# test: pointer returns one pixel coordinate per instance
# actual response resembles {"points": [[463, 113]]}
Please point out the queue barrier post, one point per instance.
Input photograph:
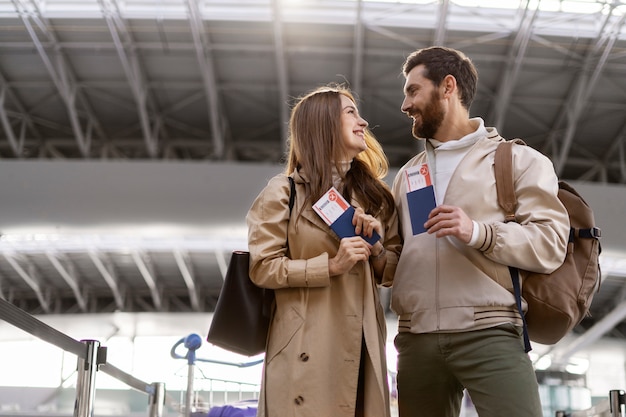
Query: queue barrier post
{"points": [[157, 399], [617, 399], [86, 382]]}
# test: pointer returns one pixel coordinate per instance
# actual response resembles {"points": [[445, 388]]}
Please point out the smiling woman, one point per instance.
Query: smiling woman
{"points": [[325, 337]]}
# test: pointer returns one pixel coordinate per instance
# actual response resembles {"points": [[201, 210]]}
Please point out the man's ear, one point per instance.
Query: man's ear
{"points": [[449, 86]]}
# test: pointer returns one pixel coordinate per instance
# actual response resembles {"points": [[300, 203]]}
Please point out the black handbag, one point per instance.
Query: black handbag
{"points": [[243, 311], [242, 314]]}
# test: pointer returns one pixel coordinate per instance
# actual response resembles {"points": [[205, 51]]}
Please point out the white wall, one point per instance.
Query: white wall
{"points": [[69, 196]]}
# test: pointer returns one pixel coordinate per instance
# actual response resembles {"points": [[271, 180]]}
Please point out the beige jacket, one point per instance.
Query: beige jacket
{"points": [[314, 344], [443, 285]]}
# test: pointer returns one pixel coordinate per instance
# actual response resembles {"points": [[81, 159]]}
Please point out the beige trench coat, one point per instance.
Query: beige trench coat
{"points": [[319, 324]]}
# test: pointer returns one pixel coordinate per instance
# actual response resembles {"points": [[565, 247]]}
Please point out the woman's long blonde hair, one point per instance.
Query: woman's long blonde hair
{"points": [[316, 146]]}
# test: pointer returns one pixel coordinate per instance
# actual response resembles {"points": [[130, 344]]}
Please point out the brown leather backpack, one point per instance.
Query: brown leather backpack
{"points": [[558, 301]]}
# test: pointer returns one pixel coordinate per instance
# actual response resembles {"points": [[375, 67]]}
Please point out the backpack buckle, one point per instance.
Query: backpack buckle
{"points": [[591, 233]]}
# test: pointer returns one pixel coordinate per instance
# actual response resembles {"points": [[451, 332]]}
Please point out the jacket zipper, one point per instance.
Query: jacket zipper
{"points": [[437, 282]]}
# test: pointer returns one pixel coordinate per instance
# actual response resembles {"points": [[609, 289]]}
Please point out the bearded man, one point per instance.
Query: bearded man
{"points": [[458, 324]]}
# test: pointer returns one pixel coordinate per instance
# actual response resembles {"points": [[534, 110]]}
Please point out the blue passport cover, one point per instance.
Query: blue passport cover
{"points": [[421, 202], [344, 228]]}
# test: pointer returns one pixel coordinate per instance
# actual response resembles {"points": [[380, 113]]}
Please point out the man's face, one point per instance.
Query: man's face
{"points": [[422, 102]]}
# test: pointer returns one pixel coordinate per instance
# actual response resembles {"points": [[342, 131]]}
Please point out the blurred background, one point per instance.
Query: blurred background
{"points": [[134, 135]]}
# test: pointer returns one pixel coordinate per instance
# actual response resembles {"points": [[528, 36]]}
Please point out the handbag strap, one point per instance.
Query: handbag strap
{"points": [[268, 298], [292, 194], [292, 200]]}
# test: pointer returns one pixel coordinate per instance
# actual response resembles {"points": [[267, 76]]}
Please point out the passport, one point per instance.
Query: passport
{"points": [[420, 196], [421, 202], [337, 213]]}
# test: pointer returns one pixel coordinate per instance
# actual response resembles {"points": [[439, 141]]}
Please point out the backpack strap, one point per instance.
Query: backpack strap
{"points": [[515, 278], [505, 181], [505, 188]]}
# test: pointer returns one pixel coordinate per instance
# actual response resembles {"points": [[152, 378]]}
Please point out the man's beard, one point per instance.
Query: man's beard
{"points": [[430, 119]]}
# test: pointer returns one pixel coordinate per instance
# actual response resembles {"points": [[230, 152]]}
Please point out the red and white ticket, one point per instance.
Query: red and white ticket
{"points": [[331, 206], [417, 177]]}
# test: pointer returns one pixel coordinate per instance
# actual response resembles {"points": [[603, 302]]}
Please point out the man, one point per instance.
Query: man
{"points": [[458, 323]]}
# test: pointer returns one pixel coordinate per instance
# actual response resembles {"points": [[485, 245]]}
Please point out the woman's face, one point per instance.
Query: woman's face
{"points": [[353, 128]]}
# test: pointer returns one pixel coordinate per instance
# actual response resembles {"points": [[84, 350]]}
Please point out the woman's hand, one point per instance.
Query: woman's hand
{"points": [[351, 250], [366, 223]]}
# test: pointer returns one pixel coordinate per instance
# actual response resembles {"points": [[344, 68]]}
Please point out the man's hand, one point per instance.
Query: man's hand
{"points": [[450, 221]]}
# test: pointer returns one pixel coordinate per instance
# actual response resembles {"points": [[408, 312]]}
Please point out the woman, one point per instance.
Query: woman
{"points": [[325, 354]]}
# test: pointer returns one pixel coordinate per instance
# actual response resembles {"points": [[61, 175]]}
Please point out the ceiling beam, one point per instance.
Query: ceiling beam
{"points": [[68, 272], [440, 28], [30, 278], [617, 153], [202, 46], [17, 145], [150, 122], [221, 263], [561, 354], [622, 160], [512, 68], [16, 140], [108, 273], [61, 75], [357, 56], [182, 261], [281, 73], [147, 272], [582, 89]]}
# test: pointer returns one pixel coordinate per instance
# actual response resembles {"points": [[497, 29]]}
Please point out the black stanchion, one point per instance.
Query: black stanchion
{"points": [[617, 399]]}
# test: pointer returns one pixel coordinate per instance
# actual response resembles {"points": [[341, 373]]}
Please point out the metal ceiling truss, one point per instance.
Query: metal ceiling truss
{"points": [[16, 138], [105, 284], [515, 60], [281, 73], [61, 74], [186, 270], [158, 125], [104, 266], [440, 28], [202, 46], [147, 272], [572, 111], [31, 277], [66, 269], [151, 122]]}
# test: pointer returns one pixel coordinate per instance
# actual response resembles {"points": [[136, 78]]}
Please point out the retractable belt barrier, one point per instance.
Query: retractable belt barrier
{"points": [[611, 407], [91, 358]]}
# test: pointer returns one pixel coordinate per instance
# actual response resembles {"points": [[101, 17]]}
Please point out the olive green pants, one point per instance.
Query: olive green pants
{"points": [[434, 368]]}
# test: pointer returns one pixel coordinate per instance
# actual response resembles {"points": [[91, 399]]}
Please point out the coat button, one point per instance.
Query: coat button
{"points": [[304, 356], [299, 400]]}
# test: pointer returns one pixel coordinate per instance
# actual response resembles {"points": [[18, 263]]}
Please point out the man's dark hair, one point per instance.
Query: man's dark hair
{"points": [[439, 62]]}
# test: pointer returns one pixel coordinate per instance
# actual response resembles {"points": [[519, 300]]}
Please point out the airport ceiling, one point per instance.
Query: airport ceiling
{"points": [[211, 80]]}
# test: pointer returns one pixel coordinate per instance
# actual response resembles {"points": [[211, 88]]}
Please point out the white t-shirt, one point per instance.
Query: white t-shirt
{"points": [[448, 155]]}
